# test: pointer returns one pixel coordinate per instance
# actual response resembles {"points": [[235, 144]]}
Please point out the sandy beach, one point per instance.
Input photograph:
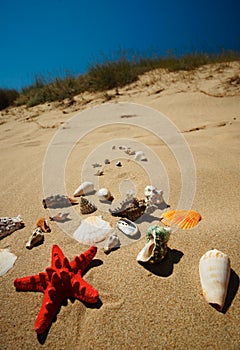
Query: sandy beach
{"points": [[141, 308]]}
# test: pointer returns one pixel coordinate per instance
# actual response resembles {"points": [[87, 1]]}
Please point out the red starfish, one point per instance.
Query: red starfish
{"points": [[62, 280]]}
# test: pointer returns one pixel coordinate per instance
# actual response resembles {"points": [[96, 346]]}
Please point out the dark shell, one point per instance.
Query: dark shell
{"points": [[87, 207], [131, 209], [58, 201]]}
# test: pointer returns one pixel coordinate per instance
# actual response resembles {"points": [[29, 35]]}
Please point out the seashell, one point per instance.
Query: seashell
{"points": [[214, 270], [92, 230], [86, 187], [130, 152], [7, 260], [36, 238], [139, 155], [131, 209], [99, 173], [184, 219], [127, 227], [105, 195], [60, 217], [58, 201], [113, 242], [10, 224], [156, 248], [97, 165], [87, 207], [43, 224], [153, 196], [119, 164], [106, 161]]}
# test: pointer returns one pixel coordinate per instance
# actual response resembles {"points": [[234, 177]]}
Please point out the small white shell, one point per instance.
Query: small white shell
{"points": [[92, 230], [105, 195], [214, 270], [36, 237], [139, 155], [113, 242], [153, 195], [147, 252], [85, 188], [127, 227], [7, 261]]}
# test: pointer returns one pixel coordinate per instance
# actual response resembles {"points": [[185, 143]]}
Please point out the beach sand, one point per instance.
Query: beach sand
{"points": [[161, 308]]}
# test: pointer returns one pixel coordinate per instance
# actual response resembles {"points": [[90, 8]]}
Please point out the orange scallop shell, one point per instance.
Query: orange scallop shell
{"points": [[184, 219]]}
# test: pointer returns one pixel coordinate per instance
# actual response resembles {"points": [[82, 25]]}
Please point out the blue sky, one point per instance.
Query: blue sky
{"points": [[52, 36]]}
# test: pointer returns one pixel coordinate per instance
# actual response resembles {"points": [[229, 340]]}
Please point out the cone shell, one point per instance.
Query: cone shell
{"points": [[113, 242], [214, 270], [105, 195], [184, 219], [87, 207], [92, 230], [85, 188]]}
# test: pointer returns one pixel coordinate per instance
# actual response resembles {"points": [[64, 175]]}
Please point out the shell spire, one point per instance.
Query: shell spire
{"points": [[86, 207]]}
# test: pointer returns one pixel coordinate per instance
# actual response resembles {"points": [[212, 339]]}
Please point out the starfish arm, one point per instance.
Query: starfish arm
{"points": [[81, 262], [35, 283], [83, 291], [58, 259], [50, 306]]}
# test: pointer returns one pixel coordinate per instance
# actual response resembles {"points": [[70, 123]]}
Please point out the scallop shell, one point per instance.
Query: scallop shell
{"points": [[156, 248], [127, 227], [184, 219], [86, 187], [214, 271], [113, 242], [92, 230], [131, 209], [7, 260], [105, 195], [36, 237], [10, 224], [87, 207], [43, 224], [58, 201]]}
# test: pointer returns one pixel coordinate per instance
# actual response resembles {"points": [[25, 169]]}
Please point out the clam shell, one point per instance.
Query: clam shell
{"points": [[87, 207], [7, 260], [10, 224], [36, 237], [113, 242], [92, 230], [105, 195], [86, 187], [214, 271], [184, 219], [127, 227]]}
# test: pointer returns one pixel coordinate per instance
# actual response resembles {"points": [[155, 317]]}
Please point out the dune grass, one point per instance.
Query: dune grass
{"points": [[109, 74]]}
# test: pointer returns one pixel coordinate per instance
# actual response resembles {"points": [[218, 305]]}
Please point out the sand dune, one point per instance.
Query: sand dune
{"points": [[141, 308]]}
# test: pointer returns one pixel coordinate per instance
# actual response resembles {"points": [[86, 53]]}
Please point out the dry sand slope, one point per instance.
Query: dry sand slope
{"points": [[141, 309]]}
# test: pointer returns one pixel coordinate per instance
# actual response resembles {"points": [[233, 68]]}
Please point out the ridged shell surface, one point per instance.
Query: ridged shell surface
{"points": [[87, 207], [214, 271], [92, 230], [10, 224]]}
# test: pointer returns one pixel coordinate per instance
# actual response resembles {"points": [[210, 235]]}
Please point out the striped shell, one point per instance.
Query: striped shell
{"points": [[87, 207], [184, 219]]}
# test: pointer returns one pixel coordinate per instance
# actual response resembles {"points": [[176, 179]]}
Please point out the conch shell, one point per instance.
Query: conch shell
{"points": [[86, 187], [214, 270], [87, 207], [36, 237], [105, 195], [113, 242], [156, 248], [131, 209]]}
